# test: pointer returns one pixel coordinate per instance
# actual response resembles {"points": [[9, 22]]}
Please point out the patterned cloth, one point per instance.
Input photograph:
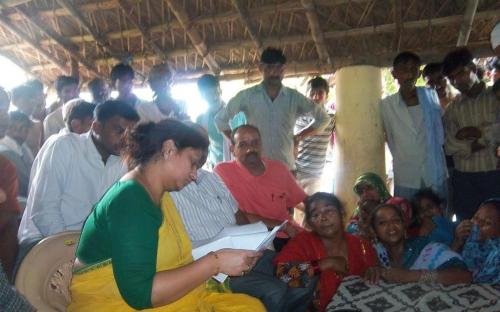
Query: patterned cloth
{"points": [[10, 299], [420, 254], [294, 264], [355, 295], [482, 258]]}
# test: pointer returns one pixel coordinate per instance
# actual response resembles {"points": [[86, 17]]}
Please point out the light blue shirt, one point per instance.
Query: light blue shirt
{"points": [[404, 137], [216, 149], [274, 119]]}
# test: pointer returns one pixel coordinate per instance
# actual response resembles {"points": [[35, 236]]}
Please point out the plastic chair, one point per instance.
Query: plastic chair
{"points": [[44, 275]]}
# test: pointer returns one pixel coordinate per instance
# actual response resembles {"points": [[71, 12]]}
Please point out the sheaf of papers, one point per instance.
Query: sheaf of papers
{"points": [[253, 236]]}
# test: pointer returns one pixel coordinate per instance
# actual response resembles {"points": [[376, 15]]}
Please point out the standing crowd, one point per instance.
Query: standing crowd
{"points": [[142, 183]]}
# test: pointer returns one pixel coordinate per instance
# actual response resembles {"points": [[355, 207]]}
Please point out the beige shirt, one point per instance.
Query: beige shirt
{"points": [[480, 112]]}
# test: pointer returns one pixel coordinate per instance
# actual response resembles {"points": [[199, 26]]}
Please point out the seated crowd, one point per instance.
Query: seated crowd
{"points": [[143, 185]]}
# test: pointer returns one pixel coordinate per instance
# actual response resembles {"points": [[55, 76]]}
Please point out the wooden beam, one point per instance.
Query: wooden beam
{"points": [[291, 6], [247, 22], [398, 21], [466, 27], [5, 22], [99, 38], [316, 32], [13, 3], [122, 4], [292, 39], [145, 33], [243, 71], [306, 68], [193, 34], [66, 45], [354, 31]]}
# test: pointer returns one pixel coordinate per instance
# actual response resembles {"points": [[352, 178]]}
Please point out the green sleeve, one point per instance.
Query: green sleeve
{"points": [[133, 223]]}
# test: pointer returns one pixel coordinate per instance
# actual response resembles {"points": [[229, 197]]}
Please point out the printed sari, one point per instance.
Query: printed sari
{"points": [[294, 265]]}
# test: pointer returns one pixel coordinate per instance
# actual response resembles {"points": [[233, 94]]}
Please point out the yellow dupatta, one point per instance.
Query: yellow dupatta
{"points": [[96, 290]]}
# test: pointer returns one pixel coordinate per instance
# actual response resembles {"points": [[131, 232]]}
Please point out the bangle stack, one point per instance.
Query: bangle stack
{"points": [[428, 277]]}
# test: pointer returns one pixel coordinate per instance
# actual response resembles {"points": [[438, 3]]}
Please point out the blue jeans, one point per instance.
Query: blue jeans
{"points": [[261, 283]]}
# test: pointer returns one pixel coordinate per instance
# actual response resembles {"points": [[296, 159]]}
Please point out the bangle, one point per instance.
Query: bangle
{"points": [[212, 253], [315, 267]]}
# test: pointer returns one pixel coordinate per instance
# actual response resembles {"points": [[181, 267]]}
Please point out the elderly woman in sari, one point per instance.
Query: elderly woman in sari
{"points": [[479, 240], [411, 260], [327, 251], [134, 252], [371, 189]]}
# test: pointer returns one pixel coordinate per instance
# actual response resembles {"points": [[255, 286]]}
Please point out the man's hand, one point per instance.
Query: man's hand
{"points": [[475, 146], [468, 133]]}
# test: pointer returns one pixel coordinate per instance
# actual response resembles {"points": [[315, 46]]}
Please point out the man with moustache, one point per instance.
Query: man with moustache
{"points": [[274, 109], [264, 188], [470, 125], [414, 132]]}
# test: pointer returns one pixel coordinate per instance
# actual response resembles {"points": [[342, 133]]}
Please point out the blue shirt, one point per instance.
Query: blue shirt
{"points": [[216, 138]]}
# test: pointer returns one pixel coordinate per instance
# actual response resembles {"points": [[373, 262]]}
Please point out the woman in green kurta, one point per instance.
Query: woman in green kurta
{"points": [[134, 252]]}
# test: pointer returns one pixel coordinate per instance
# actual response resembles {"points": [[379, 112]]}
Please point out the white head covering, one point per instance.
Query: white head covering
{"points": [[495, 36]]}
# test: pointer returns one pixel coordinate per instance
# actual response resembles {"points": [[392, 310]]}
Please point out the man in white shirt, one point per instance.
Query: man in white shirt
{"points": [[274, 109], [30, 100], [13, 146], [72, 172], [163, 105], [67, 89], [414, 131]]}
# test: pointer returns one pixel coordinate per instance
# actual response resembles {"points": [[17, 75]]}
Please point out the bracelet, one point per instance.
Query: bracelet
{"points": [[427, 277], [212, 253], [315, 267]]}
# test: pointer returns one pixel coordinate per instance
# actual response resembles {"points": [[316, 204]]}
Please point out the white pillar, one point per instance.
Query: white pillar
{"points": [[359, 133]]}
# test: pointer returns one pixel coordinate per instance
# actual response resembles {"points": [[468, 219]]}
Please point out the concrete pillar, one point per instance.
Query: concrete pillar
{"points": [[359, 145]]}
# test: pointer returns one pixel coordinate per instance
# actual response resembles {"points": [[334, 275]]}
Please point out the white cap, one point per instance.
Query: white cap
{"points": [[495, 36]]}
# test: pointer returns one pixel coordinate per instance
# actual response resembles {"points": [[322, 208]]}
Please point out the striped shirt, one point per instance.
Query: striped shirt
{"points": [[206, 206], [312, 150], [275, 119], [480, 112]]}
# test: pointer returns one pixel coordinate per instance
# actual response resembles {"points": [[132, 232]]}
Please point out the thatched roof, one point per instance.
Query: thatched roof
{"points": [[225, 37]]}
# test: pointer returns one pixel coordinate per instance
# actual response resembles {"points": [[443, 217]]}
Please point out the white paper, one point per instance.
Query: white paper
{"points": [[253, 236]]}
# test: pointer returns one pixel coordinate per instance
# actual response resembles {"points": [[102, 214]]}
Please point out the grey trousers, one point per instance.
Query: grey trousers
{"points": [[276, 296]]}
